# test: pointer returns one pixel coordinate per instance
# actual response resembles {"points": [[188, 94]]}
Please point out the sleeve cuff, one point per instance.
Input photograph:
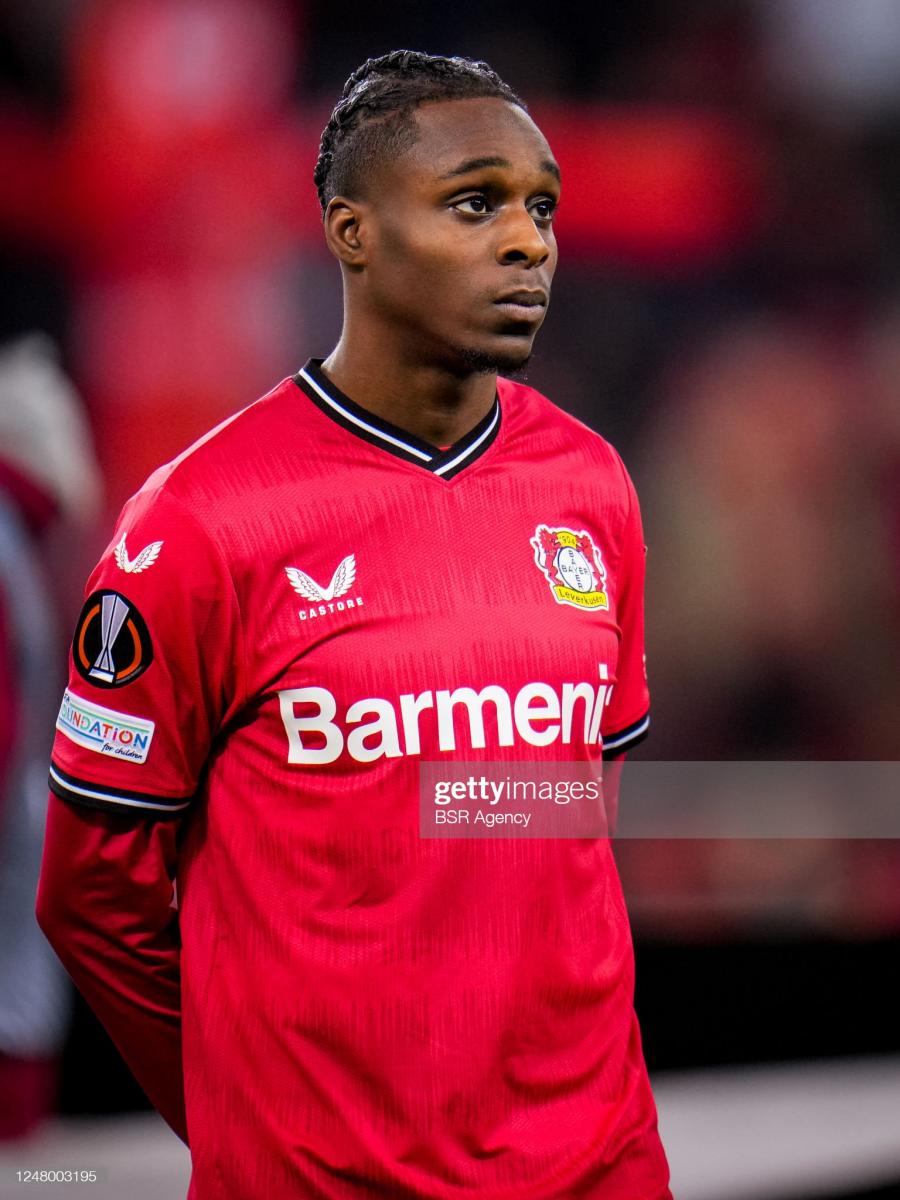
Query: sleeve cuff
{"points": [[86, 794], [619, 743]]}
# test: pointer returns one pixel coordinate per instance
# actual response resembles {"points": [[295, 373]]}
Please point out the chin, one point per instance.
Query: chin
{"points": [[505, 360]]}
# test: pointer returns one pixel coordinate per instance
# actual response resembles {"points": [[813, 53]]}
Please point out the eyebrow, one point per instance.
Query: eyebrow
{"points": [[479, 164]]}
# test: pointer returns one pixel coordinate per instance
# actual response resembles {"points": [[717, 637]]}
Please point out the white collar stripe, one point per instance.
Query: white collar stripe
{"points": [[372, 429], [469, 450]]}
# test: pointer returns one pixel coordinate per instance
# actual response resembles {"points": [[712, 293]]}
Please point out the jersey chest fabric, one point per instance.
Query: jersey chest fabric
{"points": [[363, 1008]]}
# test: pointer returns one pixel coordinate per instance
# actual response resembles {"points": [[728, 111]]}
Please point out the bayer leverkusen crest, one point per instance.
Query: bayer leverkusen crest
{"points": [[572, 565]]}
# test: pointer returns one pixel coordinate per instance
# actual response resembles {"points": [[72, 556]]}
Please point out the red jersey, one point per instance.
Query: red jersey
{"points": [[291, 618]]}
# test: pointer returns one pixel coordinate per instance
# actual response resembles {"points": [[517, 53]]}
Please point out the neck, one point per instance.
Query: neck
{"points": [[427, 400]]}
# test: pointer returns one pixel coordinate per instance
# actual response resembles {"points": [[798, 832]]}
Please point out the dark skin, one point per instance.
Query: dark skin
{"points": [[443, 236]]}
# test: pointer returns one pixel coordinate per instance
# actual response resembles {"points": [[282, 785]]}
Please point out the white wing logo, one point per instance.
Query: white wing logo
{"points": [[142, 562], [341, 581]]}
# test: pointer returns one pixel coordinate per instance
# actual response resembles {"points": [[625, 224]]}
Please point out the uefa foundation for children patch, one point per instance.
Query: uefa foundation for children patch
{"points": [[104, 730]]}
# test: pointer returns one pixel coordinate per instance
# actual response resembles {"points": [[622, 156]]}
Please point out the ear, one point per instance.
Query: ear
{"points": [[345, 231]]}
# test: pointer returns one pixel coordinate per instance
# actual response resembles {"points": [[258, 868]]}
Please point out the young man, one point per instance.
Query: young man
{"points": [[393, 558]]}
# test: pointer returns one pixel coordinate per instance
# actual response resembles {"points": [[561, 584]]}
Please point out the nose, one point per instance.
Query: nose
{"points": [[521, 241]]}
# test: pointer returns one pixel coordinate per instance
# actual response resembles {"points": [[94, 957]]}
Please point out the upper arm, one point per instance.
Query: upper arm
{"points": [[154, 668], [93, 859], [626, 718]]}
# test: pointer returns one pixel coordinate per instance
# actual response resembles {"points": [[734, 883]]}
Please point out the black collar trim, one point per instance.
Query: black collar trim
{"points": [[377, 432]]}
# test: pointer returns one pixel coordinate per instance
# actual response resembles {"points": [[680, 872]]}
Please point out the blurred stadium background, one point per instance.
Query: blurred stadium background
{"points": [[727, 313]]}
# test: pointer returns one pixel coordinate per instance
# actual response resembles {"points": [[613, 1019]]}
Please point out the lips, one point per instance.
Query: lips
{"points": [[525, 306], [523, 298]]}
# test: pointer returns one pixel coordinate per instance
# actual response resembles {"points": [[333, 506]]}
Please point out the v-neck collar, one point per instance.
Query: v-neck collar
{"points": [[378, 432]]}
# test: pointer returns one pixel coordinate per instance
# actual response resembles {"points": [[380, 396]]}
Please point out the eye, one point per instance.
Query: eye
{"points": [[472, 206], [543, 209]]}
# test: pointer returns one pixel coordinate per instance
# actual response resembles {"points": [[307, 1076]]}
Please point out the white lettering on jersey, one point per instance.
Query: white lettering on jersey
{"points": [[474, 702], [537, 702], [584, 692], [537, 714], [322, 723], [320, 610], [410, 707], [383, 726], [604, 695]]}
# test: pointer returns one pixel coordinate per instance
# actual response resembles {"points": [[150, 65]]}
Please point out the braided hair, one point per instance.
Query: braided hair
{"points": [[373, 120]]}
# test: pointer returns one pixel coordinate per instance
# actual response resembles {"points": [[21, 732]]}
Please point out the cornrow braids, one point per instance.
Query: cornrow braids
{"points": [[373, 120]]}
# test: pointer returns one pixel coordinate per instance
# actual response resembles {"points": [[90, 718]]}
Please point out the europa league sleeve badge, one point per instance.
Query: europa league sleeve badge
{"points": [[112, 645]]}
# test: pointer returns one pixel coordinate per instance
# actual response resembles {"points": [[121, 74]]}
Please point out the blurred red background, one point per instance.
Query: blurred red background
{"points": [[727, 312]]}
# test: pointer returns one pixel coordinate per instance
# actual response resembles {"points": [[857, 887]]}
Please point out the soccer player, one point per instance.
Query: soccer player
{"points": [[394, 557]]}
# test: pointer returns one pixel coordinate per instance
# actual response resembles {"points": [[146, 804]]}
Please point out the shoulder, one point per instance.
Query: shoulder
{"points": [[242, 441], [223, 472], [550, 429]]}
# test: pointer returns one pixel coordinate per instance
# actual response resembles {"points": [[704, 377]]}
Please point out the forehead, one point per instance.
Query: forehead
{"points": [[452, 132]]}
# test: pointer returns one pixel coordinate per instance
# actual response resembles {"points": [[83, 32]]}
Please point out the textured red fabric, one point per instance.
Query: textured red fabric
{"points": [[104, 903], [363, 1011]]}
